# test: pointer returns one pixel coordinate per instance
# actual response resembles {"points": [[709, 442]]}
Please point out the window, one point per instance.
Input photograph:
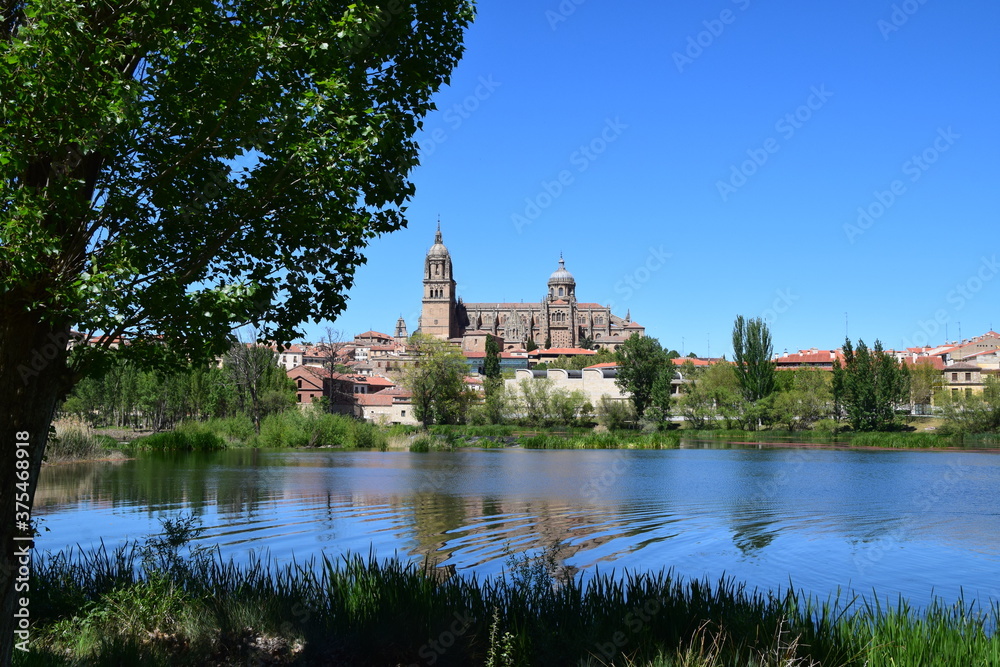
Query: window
{"points": [[968, 393], [298, 398], [560, 291], [299, 381], [968, 377], [402, 413], [954, 377]]}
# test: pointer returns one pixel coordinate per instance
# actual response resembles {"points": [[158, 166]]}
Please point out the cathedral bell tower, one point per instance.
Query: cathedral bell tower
{"points": [[438, 316]]}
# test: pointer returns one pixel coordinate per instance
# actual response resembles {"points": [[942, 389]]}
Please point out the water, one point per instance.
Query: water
{"points": [[920, 524]]}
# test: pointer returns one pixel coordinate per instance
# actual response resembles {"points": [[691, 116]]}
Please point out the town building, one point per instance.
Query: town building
{"points": [[559, 320]]}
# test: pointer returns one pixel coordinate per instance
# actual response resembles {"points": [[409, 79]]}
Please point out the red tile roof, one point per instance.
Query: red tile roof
{"points": [[606, 364], [679, 361], [934, 362], [562, 350], [812, 356], [374, 334], [379, 399]]}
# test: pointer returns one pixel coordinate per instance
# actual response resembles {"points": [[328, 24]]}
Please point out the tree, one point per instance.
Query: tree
{"points": [[530, 345], [491, 366], [925, 381], [805, 400], [437, 379], [979, 413], [640, 360], [493, 389], [753, 352], [259, 382], [172, 170], [869, 385], [712, 394]]}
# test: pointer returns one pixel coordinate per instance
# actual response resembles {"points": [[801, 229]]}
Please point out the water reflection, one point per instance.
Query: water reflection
{"points": [[897, 521]]}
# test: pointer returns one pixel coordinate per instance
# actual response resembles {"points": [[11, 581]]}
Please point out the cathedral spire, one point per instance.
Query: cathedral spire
{"points": [[437, 236]]}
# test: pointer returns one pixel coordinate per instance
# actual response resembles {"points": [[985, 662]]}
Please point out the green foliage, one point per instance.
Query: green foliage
{"points": [[752, 354], [188, 437], [119, 191], [382, 612], [128, 396], [74, 442], [641, 361], [540, 403], [437, 380], [978, 413], [805, 398], [712, 398], [869, 386], [491, 365], [614, 414], [530, 345]]}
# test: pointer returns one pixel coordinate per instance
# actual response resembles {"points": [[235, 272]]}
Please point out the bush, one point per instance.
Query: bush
{"points": [[76, 441], [187, 437]]}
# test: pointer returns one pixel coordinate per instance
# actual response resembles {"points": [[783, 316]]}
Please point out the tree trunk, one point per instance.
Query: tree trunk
{"points": [[33, 377]]}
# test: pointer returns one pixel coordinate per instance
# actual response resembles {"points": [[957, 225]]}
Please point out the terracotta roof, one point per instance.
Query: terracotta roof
{"points": [[984, 352], [381, 398], [634, 325], [810, 357], [376, 381], [679, 361], [606, 364], [962, 366], [934, 362], [562, 350], [374, 334]]}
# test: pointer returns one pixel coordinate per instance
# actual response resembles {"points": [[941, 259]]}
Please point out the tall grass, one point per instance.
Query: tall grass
{"points": [[106, 606], [186, 437], [74, 442], [604, 440]]}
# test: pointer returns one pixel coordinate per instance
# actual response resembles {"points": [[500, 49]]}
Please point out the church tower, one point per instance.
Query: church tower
{"points": [[438, 316]]}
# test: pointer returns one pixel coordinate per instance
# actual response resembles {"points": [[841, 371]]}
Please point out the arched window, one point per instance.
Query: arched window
{"points": [[560, 291]]}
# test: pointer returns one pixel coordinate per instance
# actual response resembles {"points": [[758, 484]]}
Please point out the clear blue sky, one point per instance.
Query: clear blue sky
{"points": [[739, 138]]}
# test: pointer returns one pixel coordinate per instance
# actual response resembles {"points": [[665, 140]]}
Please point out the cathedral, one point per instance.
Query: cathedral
{"points": [[558, 319]]}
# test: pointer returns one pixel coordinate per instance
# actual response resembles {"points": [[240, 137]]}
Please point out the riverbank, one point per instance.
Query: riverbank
{"points": [[295, 429], [162, 603]]}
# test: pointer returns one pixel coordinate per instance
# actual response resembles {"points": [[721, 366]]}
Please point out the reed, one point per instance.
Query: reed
{"points": [[123, 607]]}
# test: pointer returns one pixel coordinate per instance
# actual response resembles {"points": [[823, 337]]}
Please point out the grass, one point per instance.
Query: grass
{"points": [[77, 442], [159, 604]]}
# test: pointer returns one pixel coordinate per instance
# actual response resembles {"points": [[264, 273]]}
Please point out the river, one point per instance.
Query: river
{"points": [[915, 523]]}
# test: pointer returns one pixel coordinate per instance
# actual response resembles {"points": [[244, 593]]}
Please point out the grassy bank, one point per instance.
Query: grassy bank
{"points": [[296, 429], [77, 442], [157, 604]]}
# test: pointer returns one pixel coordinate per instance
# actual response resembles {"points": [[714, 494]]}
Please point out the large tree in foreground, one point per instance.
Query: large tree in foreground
{"points": [[171, 169]]}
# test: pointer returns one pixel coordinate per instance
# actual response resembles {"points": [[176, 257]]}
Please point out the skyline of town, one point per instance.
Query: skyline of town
{"points": [[856, 152]]}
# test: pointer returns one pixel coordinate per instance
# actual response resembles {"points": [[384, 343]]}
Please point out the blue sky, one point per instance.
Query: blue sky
{"points": [[696, 161]]}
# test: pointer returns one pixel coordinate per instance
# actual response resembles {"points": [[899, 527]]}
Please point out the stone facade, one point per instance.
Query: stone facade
{"points": [[558, 318]]}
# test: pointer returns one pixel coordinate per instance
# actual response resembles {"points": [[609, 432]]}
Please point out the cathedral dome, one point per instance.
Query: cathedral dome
{"points": [[438, 249], [561, 276]]}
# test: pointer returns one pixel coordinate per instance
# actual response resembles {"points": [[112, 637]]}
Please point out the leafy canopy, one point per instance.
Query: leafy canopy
{"points": [[172, 169]]}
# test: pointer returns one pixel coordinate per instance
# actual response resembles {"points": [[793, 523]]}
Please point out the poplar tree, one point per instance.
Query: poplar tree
{"points": [[753, 355]]}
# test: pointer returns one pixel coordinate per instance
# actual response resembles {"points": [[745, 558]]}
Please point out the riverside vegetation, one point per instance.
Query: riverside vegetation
{"points": [[167, 601]]}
